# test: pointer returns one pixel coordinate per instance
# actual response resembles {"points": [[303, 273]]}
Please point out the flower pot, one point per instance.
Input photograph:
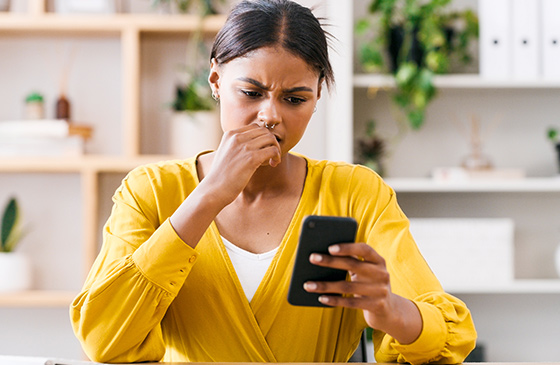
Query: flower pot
{"points": [[193, 132], [15, 272]]}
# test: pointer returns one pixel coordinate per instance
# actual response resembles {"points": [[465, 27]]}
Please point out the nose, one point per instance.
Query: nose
{"points": [[269, 114]]}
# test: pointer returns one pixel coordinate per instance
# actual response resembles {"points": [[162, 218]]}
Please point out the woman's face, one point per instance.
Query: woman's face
{"points": [[267, 86]]}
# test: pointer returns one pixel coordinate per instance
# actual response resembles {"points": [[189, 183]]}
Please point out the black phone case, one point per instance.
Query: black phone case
{"points": [[317, 234]]}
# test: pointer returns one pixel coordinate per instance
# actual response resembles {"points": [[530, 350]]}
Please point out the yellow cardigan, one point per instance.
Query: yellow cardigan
{"points": [[151, 297]]}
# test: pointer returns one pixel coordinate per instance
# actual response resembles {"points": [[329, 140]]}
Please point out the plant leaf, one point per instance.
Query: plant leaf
{"points": [[9, 222]]}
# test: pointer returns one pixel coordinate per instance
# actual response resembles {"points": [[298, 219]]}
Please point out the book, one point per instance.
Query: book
{"points": [[43, 128], [28, 146]]}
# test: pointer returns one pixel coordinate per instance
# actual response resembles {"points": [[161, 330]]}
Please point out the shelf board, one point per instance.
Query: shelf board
{"points": [[459, 81], [37, 298], [107, 24], [96, 163], [525, 286], [427, 185]]}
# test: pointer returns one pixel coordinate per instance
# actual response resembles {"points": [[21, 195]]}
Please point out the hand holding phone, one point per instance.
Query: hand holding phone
{"points": [[317, 234]]}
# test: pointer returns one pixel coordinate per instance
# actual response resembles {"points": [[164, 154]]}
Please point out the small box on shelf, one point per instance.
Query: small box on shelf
{"points": [[467, 252]]}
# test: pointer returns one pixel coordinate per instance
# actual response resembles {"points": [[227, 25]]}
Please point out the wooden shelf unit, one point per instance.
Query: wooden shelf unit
{"points": [[129, 28]]}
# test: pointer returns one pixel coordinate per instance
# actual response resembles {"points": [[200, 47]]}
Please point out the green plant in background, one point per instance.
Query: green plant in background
{"points": [[372, 149], [420, 38], [204, 7], [11, 232], [194, 94], [34, 97], [553, 135]]}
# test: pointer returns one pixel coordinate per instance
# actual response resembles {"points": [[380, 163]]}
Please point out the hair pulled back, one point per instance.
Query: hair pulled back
{"points": [[253, 24]]}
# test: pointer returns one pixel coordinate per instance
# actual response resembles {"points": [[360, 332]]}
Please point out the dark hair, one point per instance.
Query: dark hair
{"points": [[262, 23]]}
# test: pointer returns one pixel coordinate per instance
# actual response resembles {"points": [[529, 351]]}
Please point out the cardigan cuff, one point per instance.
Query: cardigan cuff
{"points": [[165, 259], [432, 339]]}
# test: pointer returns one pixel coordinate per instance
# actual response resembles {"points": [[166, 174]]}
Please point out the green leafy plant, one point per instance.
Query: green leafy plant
{"points": [[424, 38], [553, 135], [372, 149], [11, 232]]}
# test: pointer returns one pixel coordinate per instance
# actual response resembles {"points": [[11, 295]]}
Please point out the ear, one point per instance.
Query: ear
{"points": [[319, 89], [214, 77]]}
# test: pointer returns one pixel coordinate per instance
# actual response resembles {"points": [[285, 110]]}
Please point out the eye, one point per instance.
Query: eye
{"points": [[295, 100], [251, 94]]}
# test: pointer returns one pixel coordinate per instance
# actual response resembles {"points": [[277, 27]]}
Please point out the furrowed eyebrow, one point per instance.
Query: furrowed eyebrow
{"points": [[264, 87]]}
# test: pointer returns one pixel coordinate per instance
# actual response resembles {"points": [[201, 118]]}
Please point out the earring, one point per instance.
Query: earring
{"points": [[215, 97]]}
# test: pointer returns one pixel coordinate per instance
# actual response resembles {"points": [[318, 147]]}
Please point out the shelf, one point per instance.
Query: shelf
{"points": [[37, 298], [108, 24], [466, 81], [96, 163], [525, 286], [426, 185]]}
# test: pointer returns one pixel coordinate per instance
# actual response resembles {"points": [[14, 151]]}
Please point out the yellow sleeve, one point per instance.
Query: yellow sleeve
{"points": [[448, 334], [141, 267]]}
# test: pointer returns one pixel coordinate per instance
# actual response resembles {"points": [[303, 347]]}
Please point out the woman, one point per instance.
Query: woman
{"points": [[197, 254]]}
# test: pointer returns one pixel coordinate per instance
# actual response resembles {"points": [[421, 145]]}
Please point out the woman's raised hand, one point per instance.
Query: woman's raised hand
{"points": [[240, 153]]}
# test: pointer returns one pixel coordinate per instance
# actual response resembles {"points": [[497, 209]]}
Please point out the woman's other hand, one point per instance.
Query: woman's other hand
{"points": [[369, 289]]}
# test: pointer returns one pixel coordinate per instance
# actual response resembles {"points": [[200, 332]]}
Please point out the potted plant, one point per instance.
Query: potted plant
{"points": [[553, 135], [15, 268], [372, 149], [195, 124], [418, 39]]}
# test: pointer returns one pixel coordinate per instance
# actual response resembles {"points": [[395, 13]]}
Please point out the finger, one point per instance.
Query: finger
{"points": [[359, 250], [371, 289], [347, 302], [361, 270]]}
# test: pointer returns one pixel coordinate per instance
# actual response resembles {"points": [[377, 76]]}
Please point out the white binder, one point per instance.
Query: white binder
{"points": [[526, 39], [495, 38], [551, 39]]}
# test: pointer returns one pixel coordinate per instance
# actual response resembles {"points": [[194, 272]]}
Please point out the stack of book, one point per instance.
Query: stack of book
{"points": [[43, 137]]}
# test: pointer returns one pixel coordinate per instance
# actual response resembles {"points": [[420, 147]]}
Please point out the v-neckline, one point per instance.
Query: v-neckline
{"points": [[257, 297]]}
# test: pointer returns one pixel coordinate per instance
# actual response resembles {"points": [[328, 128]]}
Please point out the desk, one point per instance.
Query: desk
{"points": [[22, 360]]}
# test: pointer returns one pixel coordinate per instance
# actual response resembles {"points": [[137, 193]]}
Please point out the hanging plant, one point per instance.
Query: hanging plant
{"points": [[413, 40]]}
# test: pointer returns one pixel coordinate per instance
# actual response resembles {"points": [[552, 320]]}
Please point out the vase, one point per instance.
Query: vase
{"points": [[15, 272], [193, 132]]}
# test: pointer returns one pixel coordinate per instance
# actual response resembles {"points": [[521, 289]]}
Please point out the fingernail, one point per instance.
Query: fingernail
{"points": [[310, 285], [315, 257], [323, 299], [334, 249]]}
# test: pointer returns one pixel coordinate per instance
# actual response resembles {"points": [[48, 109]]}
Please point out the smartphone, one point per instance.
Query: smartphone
{"points": [[317, 234]]}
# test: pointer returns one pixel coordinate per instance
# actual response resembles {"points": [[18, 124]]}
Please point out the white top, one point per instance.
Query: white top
{"points": [[250, 267]]}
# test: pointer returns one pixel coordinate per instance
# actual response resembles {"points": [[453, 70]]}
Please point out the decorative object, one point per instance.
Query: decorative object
{"points": [[554, 136], [15, 268], [34, 106], [371, 150], [421, 39], [476, 159]]}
